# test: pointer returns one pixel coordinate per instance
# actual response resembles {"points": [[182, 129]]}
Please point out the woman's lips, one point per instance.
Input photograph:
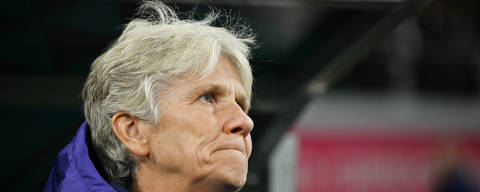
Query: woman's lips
{"points": [[231, 146]]}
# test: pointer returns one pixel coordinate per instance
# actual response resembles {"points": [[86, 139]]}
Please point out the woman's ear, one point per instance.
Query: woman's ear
{"points": [[131, 132]]}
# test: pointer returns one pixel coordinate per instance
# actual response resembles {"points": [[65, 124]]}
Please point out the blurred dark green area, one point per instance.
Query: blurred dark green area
{"points": [[60, 37], [48, 46]]}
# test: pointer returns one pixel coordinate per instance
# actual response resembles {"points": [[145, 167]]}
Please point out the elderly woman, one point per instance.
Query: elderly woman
{"points": [[166, 108]]}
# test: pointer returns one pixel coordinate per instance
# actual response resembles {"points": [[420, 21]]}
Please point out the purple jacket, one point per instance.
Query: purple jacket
{"points": [[73, 169]]}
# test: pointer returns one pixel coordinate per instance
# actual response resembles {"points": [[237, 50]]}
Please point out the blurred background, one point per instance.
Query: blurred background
{"points": [[349, 95]]}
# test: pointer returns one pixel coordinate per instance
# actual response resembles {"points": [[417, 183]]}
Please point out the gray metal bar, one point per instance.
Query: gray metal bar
{"points": [[342, 64]]}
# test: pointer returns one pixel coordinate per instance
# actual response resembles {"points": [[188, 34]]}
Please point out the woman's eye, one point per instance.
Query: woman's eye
{"points": [[207, 98]]}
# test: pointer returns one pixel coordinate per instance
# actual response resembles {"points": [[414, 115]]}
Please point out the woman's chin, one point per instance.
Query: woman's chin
{"points": [[230, 170]]}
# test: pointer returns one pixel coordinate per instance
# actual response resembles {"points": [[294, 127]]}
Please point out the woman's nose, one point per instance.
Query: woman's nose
{"points": [[237, 121]]}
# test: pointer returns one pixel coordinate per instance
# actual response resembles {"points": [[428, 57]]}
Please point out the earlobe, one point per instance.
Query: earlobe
{"points": [[130, 131]]}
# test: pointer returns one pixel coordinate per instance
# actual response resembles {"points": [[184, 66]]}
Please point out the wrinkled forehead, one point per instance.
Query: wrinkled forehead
{"points": [[234, 68], [244, 73], [231, 73]]}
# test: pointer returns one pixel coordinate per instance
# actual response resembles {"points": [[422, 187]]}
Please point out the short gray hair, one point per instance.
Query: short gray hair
{"points": [[151, 53]]}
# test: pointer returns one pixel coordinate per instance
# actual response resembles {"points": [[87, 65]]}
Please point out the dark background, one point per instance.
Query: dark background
{"points": [[421, 47]]}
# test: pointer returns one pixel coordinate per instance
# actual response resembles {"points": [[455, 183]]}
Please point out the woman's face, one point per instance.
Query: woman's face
{"points": [[203, 132]]}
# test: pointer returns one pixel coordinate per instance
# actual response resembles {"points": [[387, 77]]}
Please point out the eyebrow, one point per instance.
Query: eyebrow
{"points": [[240, 97]]}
